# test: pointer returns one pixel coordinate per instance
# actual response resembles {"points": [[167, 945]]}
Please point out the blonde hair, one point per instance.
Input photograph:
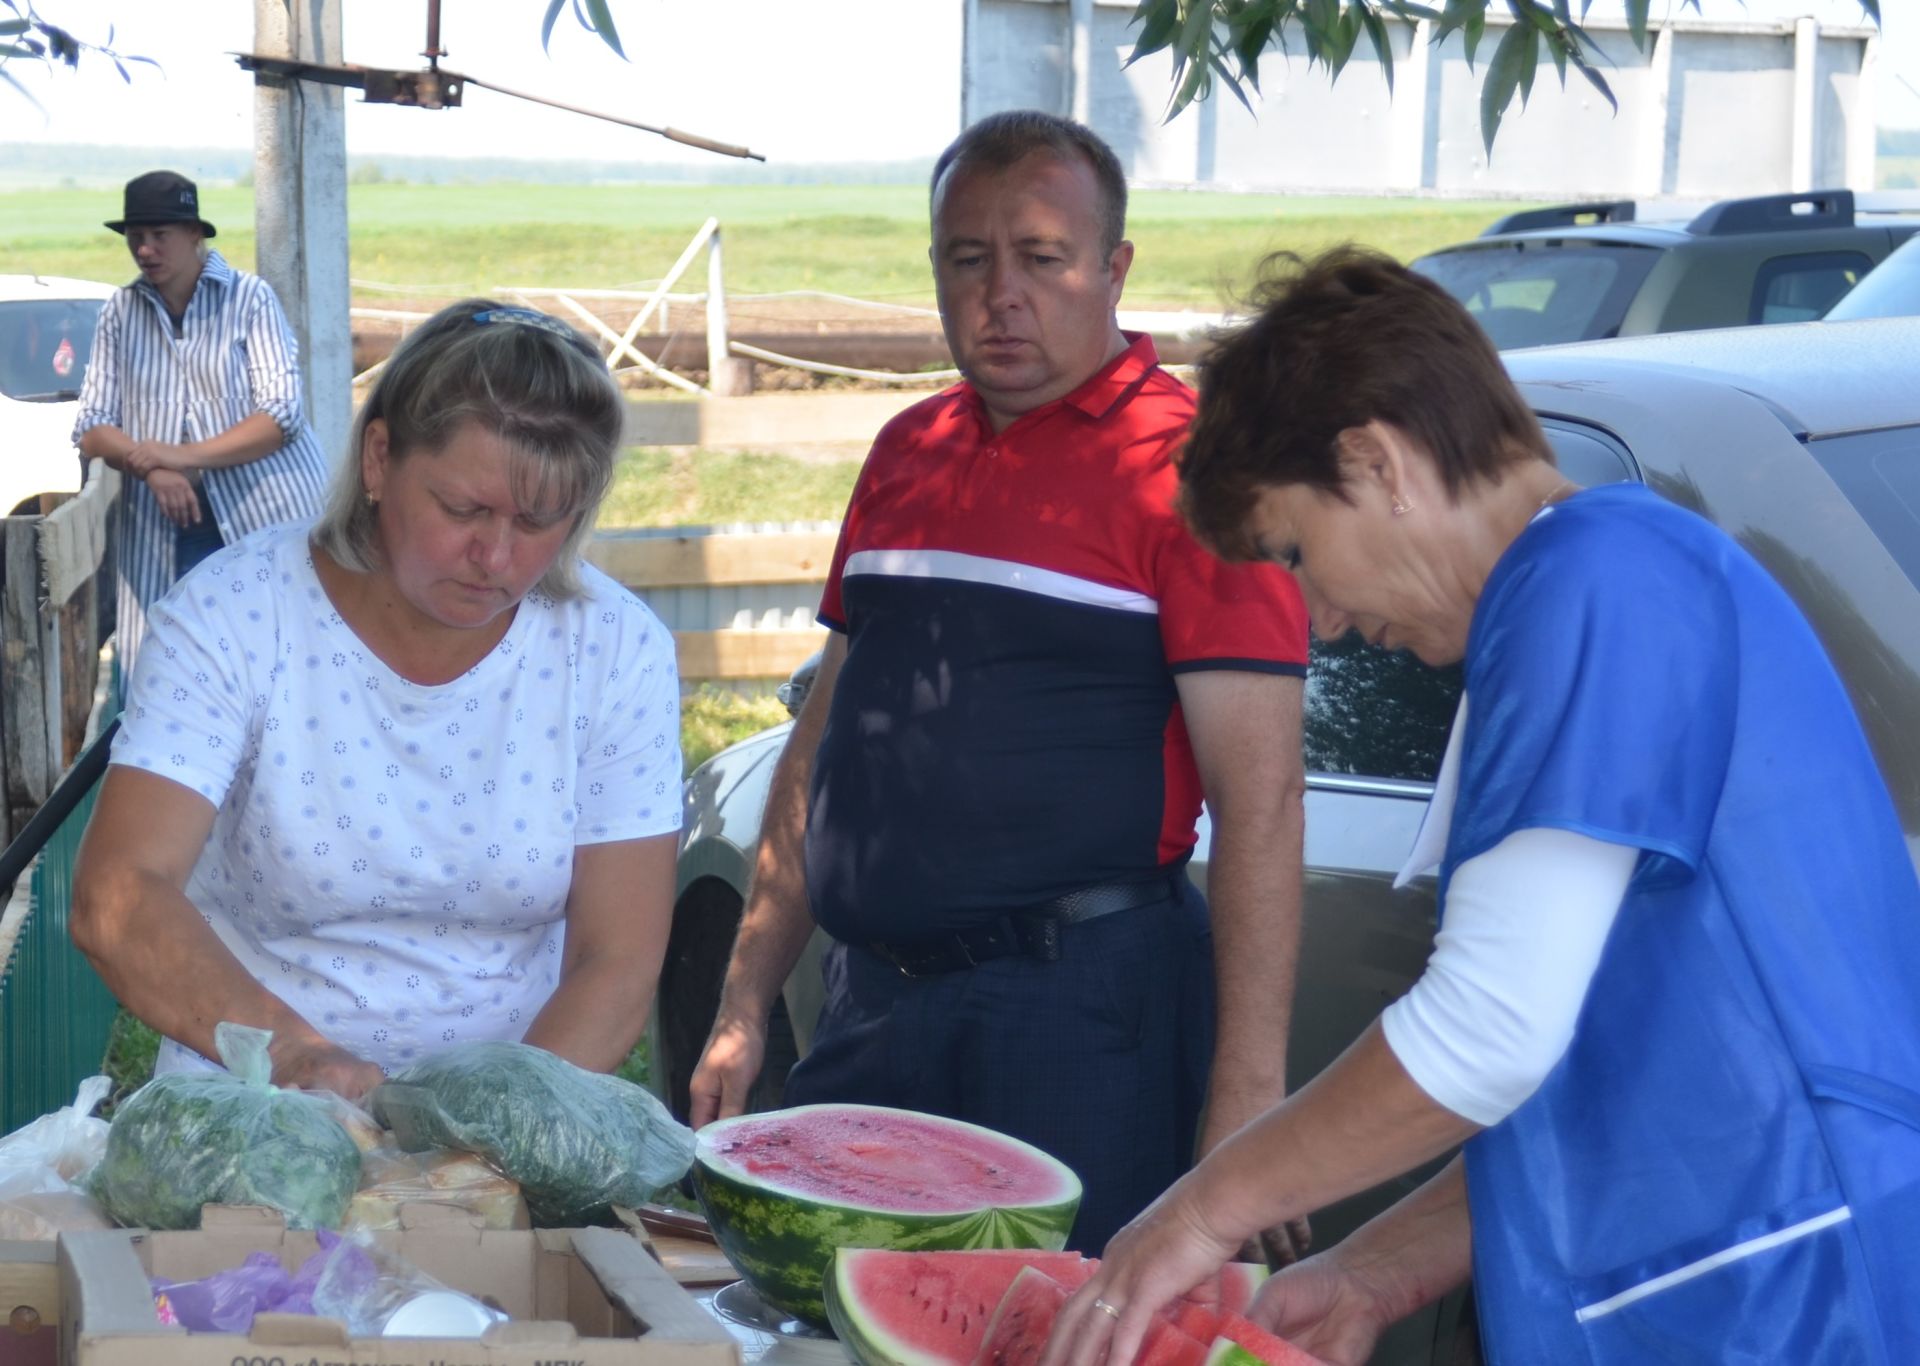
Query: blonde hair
{"points": [[526, 377]]}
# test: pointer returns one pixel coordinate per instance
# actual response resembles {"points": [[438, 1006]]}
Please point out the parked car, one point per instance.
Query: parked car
{"points": [[1802, 441], [1576, 272], [1891, 289], [46, 339]]}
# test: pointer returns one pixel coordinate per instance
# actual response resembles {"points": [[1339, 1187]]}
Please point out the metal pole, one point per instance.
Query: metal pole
{"points": [[727, 375], [434, 51]]}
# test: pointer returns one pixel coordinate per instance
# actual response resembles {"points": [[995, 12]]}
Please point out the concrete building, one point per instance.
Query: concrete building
{"points": [[1709, 109]]}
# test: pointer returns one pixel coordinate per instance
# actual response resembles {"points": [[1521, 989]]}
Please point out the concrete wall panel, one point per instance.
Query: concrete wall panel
{"points": [[1732, 108]]}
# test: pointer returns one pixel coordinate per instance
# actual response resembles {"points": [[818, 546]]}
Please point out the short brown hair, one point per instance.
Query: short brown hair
{"points": [[1000, 140], [1333, 343], [530, 379]]}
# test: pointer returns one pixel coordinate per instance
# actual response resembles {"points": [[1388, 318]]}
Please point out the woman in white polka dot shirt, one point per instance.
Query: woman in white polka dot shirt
{"points": [[408, 775]]}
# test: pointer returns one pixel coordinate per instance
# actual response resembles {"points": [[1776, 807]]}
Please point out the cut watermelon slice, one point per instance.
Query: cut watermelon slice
{"points": [[930, 1308], [1166, 1345], [782, 1190], [1240, 1343], [1018, 1334]]}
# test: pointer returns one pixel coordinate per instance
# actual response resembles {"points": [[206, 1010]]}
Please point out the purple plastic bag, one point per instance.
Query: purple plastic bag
{"points": [[226, 1301]]}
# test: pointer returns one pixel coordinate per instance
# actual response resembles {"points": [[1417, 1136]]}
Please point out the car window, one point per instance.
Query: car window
{"points": [[1798, 289], [1535, 294], [1879, 472], [1383, 714], [1891, 289], [44, 347]]}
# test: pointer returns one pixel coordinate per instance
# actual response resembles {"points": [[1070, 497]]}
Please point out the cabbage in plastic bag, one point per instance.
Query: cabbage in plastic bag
{"points": [[576, 1141], [189, 1139]]}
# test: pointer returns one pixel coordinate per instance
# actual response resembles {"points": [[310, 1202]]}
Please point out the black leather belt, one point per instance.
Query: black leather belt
{"points": [[1035, 932]]}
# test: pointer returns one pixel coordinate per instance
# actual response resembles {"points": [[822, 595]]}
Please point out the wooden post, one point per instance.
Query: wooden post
{"points": [[30, 768], [728, 375]]}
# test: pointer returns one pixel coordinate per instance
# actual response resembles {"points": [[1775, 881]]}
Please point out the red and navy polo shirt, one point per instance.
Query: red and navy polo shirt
{"points": [[1006, 727]]}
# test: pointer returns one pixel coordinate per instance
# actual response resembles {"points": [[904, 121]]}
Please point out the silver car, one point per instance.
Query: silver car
{"points": [[1802, 440]]}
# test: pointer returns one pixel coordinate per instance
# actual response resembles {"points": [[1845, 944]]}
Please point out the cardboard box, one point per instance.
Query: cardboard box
{"points": [[576, 1297], [29, 1305]]}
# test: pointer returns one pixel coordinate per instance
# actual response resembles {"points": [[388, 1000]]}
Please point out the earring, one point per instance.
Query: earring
{"points": [[372, 502], [1400, 506]]}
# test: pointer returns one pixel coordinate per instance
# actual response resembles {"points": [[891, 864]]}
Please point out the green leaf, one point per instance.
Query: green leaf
{"points": [[14, 81], [16, 50], [1196, 32], [1191, 87], [1529, 64], [546, 24], [1872, 8], [1637, 22], [1471, 34], [1503, 78], [604, 26], [1597, 81], [13, 27], [1160, 17], [1382, 45], [1233, 84]]}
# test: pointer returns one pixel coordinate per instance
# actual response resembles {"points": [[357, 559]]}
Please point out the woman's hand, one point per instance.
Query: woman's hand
{"points": [[316, 1065], [147, 456], [1325, 1308], [1173, 1245], [176, 497]]}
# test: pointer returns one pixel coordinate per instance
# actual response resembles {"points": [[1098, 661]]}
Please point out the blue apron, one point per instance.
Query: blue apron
{"points": [[1725, 1166]]}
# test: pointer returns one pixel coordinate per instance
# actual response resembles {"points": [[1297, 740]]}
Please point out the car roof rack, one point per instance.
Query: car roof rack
{"points": [[1776, 213], [1565, 216]]}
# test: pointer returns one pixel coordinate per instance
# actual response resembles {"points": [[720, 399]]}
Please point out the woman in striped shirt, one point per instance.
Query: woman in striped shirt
{"points": [[193, 393]]}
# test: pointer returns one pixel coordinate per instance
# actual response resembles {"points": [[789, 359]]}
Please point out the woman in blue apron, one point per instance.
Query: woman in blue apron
{"points": [[1672, 1011]]}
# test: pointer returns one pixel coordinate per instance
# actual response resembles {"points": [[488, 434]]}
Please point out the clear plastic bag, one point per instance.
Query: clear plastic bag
{"points": [[41, 1164], [390, 1178], [190, 1139], [380, 1293], [576, 1141]]}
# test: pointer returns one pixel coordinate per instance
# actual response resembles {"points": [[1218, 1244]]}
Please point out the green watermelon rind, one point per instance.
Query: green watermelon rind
{"points": [[865, 1341], [783, 1243], [1227, 1352]]}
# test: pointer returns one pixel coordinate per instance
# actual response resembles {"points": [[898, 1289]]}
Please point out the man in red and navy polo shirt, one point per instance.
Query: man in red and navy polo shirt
{"points": [[1034, 675]]}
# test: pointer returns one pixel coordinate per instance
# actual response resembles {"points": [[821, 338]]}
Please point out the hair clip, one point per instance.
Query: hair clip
{"points": [[533, 317]]}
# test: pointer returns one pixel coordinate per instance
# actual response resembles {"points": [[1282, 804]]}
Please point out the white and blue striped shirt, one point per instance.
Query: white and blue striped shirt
{"points": [[235, 356]]}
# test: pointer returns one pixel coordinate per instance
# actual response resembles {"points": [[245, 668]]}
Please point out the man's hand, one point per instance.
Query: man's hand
{"points": [[728, 1068], [1324, 1308], [316, 1065], [176, 497], [147, 456]]}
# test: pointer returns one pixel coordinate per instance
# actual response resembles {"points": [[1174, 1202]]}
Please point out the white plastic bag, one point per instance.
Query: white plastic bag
{"points": [[40, 1167]]}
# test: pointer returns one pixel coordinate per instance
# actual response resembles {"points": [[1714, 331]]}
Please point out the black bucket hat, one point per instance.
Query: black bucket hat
{"points": [[161, 197]]}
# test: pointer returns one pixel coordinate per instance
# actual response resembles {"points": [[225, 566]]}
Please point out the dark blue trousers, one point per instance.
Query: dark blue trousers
{"points": [[1099, 1059]]}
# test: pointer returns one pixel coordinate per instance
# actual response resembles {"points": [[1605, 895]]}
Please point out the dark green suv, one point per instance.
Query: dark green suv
{"points": [[1575, 272]]}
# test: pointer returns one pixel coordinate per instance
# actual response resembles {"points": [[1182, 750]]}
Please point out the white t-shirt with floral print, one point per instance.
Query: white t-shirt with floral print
{"points": [[393, 860]]}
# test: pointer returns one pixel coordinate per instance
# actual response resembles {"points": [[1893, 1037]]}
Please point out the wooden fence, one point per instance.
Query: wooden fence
{"points": [[56, 610], [740, 600]]}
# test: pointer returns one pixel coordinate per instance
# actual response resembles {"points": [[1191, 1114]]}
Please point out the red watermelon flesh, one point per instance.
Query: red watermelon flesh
{"points": [[1197, 1320], [931, 1308], [1018, 1334], [1274, 1351], [1166, 1345]]}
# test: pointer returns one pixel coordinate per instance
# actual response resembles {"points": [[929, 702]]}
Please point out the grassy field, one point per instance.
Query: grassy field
{"points": [[869, 241], [688, 487]]}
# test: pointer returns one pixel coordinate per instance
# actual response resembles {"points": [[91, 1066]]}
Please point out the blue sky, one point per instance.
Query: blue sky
{"points": [[793, 80]]}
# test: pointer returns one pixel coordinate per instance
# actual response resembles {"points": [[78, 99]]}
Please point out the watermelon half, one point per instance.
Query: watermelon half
{"points": [[930, 1308], [782, 1190]]}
